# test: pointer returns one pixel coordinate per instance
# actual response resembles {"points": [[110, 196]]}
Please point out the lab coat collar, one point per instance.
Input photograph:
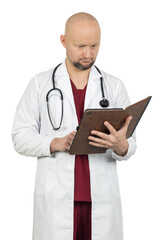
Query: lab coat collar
{"points": [[62, 71], [62, 81]]}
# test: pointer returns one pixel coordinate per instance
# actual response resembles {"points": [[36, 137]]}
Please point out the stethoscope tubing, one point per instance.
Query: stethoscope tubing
{"points": [[103, 103]]}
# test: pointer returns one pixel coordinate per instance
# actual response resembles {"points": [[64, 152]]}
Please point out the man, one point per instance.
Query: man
{"points": [[76, 197]]}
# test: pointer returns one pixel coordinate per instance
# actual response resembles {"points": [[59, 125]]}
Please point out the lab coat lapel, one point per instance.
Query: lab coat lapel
{"points": [[62, 81], [92, 87]]}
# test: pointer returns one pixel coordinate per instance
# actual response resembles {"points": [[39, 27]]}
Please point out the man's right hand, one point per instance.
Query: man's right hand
{"points": [[62, 144]]}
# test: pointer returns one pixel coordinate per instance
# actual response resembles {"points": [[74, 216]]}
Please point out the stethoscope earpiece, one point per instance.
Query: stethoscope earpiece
{"points": [[104, 103]]}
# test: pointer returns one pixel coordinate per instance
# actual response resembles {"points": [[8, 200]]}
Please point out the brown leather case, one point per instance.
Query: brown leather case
{"points": [[93, 119]]}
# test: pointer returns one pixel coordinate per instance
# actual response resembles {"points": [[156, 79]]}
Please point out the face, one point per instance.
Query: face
{"points": [[82, 44]]}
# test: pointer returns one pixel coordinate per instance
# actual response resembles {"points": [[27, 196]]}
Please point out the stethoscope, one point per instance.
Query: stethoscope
{"points": [[103, 103]]}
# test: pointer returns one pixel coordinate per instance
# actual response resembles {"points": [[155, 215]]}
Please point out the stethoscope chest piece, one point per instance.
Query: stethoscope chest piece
{"points": [[104, 103]]}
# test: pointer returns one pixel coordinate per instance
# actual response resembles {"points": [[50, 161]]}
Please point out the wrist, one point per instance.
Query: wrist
{"points": [[53, 146], [122, 151]]}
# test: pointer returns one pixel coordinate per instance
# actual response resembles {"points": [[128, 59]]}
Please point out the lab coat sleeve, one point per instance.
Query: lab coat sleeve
{"points": [[26, 135], [122, 101]]}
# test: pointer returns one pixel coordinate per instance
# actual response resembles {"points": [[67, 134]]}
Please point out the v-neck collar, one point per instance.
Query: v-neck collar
{"points": [[78, 89]]}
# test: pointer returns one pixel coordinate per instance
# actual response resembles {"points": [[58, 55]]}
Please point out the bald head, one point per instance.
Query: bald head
{"points": [[80, 19], [81, 40]]}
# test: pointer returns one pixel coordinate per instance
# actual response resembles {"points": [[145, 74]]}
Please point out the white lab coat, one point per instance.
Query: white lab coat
{"points": [[54, 185]]}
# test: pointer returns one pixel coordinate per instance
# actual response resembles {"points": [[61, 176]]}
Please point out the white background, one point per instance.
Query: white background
{"points": [[130, 50]]}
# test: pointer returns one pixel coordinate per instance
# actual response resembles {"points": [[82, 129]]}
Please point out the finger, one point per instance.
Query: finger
{"points": [[68, 145], [97, 145], [98, 140], [70, 141], [71, 138], [72, 134], [127, 122], [110, 127], [100, 134]]}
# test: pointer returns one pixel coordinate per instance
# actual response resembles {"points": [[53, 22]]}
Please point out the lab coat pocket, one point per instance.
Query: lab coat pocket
{"points": [[45, 176]]}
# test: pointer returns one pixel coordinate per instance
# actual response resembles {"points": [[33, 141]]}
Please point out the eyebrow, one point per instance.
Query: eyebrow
{"points": [[82, 44]]}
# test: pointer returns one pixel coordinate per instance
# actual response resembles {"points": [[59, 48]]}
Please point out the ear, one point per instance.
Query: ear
{"points": [[63, 40]]}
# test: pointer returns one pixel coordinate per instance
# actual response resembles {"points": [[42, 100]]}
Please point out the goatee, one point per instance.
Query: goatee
{"points": [[81, 67]]}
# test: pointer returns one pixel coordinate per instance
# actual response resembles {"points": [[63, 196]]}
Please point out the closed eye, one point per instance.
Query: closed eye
{"points": [[81, 46]]}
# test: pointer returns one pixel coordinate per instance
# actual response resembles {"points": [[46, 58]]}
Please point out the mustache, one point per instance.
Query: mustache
{"points": [[84, 59]]}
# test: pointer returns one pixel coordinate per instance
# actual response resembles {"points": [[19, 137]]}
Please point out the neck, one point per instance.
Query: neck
{"points": [[78, 77]]}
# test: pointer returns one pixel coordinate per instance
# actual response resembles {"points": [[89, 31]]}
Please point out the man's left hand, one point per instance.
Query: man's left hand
{"points": [[116, 140]]}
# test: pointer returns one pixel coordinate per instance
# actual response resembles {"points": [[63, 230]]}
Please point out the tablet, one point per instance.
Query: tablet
{"points": [[93, 119]]}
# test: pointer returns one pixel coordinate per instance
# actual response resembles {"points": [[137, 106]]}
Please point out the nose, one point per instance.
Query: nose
{"points": [[87, 52]]}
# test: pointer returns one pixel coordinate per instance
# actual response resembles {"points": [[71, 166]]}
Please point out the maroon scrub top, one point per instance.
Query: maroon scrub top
{"points": [[82, 173]]}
